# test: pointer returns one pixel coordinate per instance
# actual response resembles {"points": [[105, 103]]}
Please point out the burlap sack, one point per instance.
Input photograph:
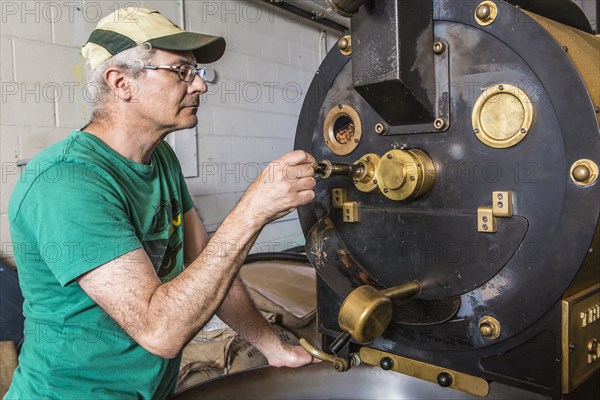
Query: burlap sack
{"points": [[223, 351], [284, 288]]}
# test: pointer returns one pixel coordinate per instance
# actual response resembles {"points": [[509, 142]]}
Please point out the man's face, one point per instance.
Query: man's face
{"points": [[162, 98]]}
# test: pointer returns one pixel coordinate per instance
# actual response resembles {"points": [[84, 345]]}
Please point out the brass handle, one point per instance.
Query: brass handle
{"points": [[339, 364], [366, 312]]}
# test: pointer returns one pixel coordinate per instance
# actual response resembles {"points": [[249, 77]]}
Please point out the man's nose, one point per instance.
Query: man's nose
{"points": [[198, 85]]}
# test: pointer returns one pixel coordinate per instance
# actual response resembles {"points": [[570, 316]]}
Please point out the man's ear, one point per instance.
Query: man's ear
{"points": [[122, 86]]}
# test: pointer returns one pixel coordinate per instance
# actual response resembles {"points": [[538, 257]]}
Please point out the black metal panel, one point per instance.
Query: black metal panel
{"points": [[442, 250], [392, 59]]}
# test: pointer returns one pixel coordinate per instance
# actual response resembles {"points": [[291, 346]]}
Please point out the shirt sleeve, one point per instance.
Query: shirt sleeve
{"points": [[78, 220]]}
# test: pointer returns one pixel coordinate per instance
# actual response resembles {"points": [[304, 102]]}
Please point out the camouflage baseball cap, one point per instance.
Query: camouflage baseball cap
{"points": [[126, 28]]}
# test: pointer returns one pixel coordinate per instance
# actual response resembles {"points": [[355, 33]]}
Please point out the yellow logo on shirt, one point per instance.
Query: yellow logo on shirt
{"points": [[176, 223]]}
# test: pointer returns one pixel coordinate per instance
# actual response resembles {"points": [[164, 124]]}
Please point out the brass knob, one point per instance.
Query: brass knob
{"points": [[366, 312]]}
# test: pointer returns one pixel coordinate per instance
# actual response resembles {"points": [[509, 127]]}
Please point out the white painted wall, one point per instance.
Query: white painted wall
{"points": [[247, 118]]}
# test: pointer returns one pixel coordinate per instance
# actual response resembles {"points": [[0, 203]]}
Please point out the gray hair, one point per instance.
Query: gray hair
{"points": [[132, 60]]}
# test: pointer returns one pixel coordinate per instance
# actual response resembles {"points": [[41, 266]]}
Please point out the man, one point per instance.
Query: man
{"points": [[103, 223]]}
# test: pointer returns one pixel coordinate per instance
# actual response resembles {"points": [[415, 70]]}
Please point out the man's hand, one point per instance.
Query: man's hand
{"points": [[285, 184], [286, 355]]}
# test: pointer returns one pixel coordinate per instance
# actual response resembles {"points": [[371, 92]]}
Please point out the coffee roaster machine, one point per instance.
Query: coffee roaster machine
{"points": [[455, 228]]}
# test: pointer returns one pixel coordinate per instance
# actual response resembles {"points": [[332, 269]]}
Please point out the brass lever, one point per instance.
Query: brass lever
{"points": [[339, 364], [366, 312]]}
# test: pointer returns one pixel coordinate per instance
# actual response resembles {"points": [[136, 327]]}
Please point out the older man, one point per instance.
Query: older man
{"points": [[103, 225]]}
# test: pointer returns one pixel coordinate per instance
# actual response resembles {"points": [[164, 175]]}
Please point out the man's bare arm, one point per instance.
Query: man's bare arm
{"points": [[164, 317], [238, 310]]}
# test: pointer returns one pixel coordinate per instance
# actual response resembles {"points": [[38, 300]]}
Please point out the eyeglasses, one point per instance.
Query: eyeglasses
{"points": [[186, 73]]}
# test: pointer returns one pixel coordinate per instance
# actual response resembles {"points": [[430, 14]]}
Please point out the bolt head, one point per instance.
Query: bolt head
{"points": [[439, 47], [483, 12], [343, 44], [444, 379], [386, 363], [439, 124], [486, 329], [581, 173]]}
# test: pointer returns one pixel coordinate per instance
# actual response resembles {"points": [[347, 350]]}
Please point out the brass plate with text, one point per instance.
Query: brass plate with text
{"points": [[580, 337]]}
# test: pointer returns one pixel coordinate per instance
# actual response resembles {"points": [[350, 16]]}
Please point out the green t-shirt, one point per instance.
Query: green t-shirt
{"points": [[77, 205]]}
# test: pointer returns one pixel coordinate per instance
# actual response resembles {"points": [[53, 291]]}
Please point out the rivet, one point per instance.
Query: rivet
{"points": [[389, 156]]}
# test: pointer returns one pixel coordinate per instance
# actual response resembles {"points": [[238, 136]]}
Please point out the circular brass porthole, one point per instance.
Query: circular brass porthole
{"points": [[342, 129], [502, 116]]}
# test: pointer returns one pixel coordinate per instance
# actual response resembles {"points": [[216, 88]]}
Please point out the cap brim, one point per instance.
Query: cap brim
{"points": [[207, 49]]}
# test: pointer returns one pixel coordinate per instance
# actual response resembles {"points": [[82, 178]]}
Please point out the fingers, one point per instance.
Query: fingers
{"points": [[298, 157]]}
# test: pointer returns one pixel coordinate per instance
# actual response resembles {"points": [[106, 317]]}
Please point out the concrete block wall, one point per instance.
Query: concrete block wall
{"points": [[247, 118]]}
